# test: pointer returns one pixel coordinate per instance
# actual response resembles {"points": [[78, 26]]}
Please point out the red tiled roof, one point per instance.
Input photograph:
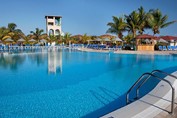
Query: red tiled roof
{"points": [[76, 36], [168, 37]]}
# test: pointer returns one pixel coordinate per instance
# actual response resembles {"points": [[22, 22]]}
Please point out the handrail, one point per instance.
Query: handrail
{"points": [[164, 73], [127, 94], [137, 90], [173, 90]]}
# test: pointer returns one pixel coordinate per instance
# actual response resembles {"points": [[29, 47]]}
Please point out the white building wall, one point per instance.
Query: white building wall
{"points": [[54, 27]]}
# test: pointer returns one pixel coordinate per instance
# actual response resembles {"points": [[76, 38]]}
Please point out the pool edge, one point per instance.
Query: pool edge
{"points": [[147, 106]]}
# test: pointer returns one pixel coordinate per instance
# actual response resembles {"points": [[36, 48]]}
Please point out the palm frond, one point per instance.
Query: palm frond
{"points": [[167, 24]]}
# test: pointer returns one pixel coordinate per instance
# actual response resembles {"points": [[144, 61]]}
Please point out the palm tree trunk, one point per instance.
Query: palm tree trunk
{"points": [[134, 36], [120, 35], [134, 33]]}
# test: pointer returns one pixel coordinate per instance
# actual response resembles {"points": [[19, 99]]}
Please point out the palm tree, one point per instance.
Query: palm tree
{"points": [[128, 38], [132, 21], [11, 27], [142, 20], [17, 34], [67, 37], [85, 38], [52, 38], [3, 32], [11, 32], [37, 34], [157, 21], [118, 26]]}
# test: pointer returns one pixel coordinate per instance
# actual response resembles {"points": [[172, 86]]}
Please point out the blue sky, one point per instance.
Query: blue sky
{"points": [[80, 16]]}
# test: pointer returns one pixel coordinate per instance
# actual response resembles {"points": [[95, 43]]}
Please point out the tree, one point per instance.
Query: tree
{"points": [[11, 27], [142, 20], [67, 37], [132, 21], [118, 26], [52, 38], [128, 39], [37, 34], [85, 39], [157, 21], [3, 32], [11, 32]]}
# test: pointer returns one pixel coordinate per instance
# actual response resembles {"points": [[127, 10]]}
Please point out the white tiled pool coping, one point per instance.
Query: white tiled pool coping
{"points": [[150, 105]]}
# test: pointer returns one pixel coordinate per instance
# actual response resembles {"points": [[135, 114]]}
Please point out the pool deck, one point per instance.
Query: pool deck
{"points": [[131, 52], [156, 104]]}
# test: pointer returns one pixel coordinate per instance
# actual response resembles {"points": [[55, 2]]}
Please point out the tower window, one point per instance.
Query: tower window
{"points": [[57, 32], [50, 23], [50, 17], [57, 21], [51, 32]]}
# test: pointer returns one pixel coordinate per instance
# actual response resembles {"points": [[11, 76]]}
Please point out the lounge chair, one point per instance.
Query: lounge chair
{"points": [[172, 47], [119, 47], [175, 47], [169, 47], [160, 48], [164, 48]]}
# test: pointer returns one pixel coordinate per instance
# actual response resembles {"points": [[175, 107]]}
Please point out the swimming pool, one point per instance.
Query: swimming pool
{"points": [[70, 83]]}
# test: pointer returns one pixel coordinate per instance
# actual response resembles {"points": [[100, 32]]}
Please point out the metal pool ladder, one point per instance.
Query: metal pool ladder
{"points": [[145, 80]]}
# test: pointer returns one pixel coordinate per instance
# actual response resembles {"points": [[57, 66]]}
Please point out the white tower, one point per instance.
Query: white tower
{"points": [[53, 25]]}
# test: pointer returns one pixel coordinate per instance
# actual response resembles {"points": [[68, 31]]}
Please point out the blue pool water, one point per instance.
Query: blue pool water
{"points": [[70, 83]]}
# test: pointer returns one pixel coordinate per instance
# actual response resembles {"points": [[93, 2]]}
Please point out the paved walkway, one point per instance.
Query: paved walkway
{"points": [[166, 115], [132, 52]]}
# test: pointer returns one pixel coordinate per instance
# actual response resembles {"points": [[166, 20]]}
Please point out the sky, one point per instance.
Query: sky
{"points": [[80, 16]]}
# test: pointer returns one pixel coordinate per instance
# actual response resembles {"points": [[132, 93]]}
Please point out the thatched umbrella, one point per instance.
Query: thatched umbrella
{"points": [[43, 40], [117, 39], [98, 39], [32, 41], [8, 40], [21, 40], [162, 41], [106, 39]]}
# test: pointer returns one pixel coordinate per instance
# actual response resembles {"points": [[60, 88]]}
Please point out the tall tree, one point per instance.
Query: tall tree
{"points": [[157, 21], [85, 38], [52, 38], [118, 26], [11, 27], [142, 20], [37, 34], [132, 21], [67, 37], [3, 32], [11, 32]]}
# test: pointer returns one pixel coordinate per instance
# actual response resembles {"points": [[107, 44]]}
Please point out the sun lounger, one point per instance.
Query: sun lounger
{"points": [[119, 47], [164, 48], [160, 48], [169, 47], [1, 47], [175, 47], [172, 47]]}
